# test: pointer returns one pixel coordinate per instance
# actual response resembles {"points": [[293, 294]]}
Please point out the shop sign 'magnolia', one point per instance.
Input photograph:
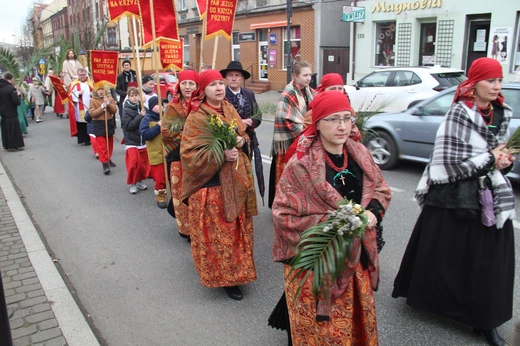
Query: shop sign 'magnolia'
{"points": [[382, 6]]}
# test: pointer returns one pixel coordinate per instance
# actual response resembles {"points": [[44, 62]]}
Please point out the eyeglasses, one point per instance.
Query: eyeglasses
{"points": [[337, 121]]}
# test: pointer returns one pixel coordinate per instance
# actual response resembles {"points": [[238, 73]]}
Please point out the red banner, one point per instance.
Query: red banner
{"points": [[122, 8], [164, 18], [172, 55], [104, 67], [220, 18], [202, 6], [58, 86]]}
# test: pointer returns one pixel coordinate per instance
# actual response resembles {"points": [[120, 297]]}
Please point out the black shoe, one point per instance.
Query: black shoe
{"points": [[491, 336], [234, 292], [112, 164], [106, 169], [87, 144]]}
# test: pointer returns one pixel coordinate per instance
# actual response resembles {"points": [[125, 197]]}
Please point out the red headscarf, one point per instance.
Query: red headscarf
{"points": [[329, 80], [324, 104], [481, 69], [184, 75], [205, 78]]}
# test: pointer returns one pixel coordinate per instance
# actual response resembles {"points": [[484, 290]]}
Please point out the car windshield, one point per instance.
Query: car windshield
{"points": [[171, 78], [447, 80]]}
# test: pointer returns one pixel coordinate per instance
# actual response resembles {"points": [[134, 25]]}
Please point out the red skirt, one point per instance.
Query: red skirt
{"points": [[222, 251], [181, 209], [352, 316]]}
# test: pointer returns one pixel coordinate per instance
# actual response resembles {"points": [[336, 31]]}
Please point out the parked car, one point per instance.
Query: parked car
{"points": [[397, 89], [410, 135], [168, 82]]}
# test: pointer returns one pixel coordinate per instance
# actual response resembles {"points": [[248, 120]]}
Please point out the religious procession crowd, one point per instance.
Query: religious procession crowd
{"points": [[325, 190]]}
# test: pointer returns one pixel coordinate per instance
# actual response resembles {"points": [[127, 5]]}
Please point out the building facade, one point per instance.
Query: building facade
{"points": [[435, 32]]}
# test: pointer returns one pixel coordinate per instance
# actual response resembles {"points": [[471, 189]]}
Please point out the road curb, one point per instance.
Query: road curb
{"points": [[72, 323]]}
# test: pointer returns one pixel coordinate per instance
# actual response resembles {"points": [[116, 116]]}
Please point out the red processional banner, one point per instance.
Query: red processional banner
{"points": [[122, 8], [220, 18], [172, 55], [164, 18], [104, 68], [202, 6], [58, 86]]}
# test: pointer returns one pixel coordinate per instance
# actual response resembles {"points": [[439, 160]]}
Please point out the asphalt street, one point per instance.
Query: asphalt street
{"points": [[133, 276]]}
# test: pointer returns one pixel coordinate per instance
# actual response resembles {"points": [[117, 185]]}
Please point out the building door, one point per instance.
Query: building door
{"points": [[427, 44], [335, 60], [263, 59], [478, 40]]}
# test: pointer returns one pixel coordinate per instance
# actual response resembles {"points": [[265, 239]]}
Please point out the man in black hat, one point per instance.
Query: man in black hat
{"points": [[244, 101], [128, 76]]}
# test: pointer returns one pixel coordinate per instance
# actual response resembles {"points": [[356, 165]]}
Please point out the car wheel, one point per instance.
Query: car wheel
{"points": [[169, 97], [383, 150]]}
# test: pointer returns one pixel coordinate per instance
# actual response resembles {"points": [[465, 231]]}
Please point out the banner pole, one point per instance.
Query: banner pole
{"points": [[215, 47], [135, 48], [158, 81], [202, 39]]}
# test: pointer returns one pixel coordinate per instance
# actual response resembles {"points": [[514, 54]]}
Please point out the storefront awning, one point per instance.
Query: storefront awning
{"points": [[268, 25]]}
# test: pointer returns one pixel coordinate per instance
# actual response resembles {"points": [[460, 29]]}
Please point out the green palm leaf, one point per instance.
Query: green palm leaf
{"points": [[325, 252]]}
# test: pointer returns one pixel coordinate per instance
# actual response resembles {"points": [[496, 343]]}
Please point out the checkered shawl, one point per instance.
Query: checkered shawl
{"points": [[288, 122], [462, 146]]}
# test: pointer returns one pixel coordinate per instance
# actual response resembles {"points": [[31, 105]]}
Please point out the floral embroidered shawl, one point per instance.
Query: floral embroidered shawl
{"points": [[237, 184]]}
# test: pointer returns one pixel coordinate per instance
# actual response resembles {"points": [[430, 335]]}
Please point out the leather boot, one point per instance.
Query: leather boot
{"points": [[491, 336], [160, 197], [106, 169]]}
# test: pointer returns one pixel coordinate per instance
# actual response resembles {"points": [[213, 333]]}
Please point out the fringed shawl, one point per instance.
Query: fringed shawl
{"points": [[237, 184], [288, 122], [304, 198], [462, 146]]}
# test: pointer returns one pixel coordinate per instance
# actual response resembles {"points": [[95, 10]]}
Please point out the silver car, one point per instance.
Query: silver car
{"points": [[410, 135]]}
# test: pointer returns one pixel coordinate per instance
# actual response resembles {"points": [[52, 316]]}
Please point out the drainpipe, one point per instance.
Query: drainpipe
{"points": [[352, 45], [289, 62]]}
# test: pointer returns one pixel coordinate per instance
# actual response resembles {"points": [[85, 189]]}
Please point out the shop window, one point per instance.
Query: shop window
{"points": [[235, 49], [186, 40], [294, 49], [385, 44], [516, 50]]}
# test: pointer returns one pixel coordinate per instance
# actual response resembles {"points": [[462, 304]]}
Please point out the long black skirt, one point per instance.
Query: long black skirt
{"points": [[82, 135], [12, 137], [459, 269]]}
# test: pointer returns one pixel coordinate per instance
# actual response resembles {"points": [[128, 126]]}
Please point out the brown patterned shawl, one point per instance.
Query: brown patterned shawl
{"points": [[237, 185], [304, 198], [172, 112]]}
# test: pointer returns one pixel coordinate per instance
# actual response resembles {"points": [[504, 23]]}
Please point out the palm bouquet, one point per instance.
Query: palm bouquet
{"points": [[324, 248], [177, 124], [513, 144], [220, 137]]}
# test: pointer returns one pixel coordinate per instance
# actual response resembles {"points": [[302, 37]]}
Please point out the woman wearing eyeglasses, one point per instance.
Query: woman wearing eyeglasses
{"points": [[325, 166]]}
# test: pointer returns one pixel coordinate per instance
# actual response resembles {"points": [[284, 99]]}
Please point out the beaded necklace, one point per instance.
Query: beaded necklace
{"points": [[487, 114], [333, 166]]}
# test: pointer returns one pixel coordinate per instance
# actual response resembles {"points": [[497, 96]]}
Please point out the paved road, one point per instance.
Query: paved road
{"points": [[134, 277]]}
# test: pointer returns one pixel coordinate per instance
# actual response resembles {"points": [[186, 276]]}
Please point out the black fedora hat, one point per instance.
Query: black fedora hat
{"points": [[235, 66]]}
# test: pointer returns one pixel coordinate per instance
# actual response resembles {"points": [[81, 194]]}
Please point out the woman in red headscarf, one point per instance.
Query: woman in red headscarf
{"points": [[332, 81], [459, 262], [325, 166], [175, 115], [222, 197]]}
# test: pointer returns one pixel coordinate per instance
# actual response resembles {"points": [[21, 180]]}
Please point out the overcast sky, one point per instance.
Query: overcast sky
{"points": [[12, 17]]}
